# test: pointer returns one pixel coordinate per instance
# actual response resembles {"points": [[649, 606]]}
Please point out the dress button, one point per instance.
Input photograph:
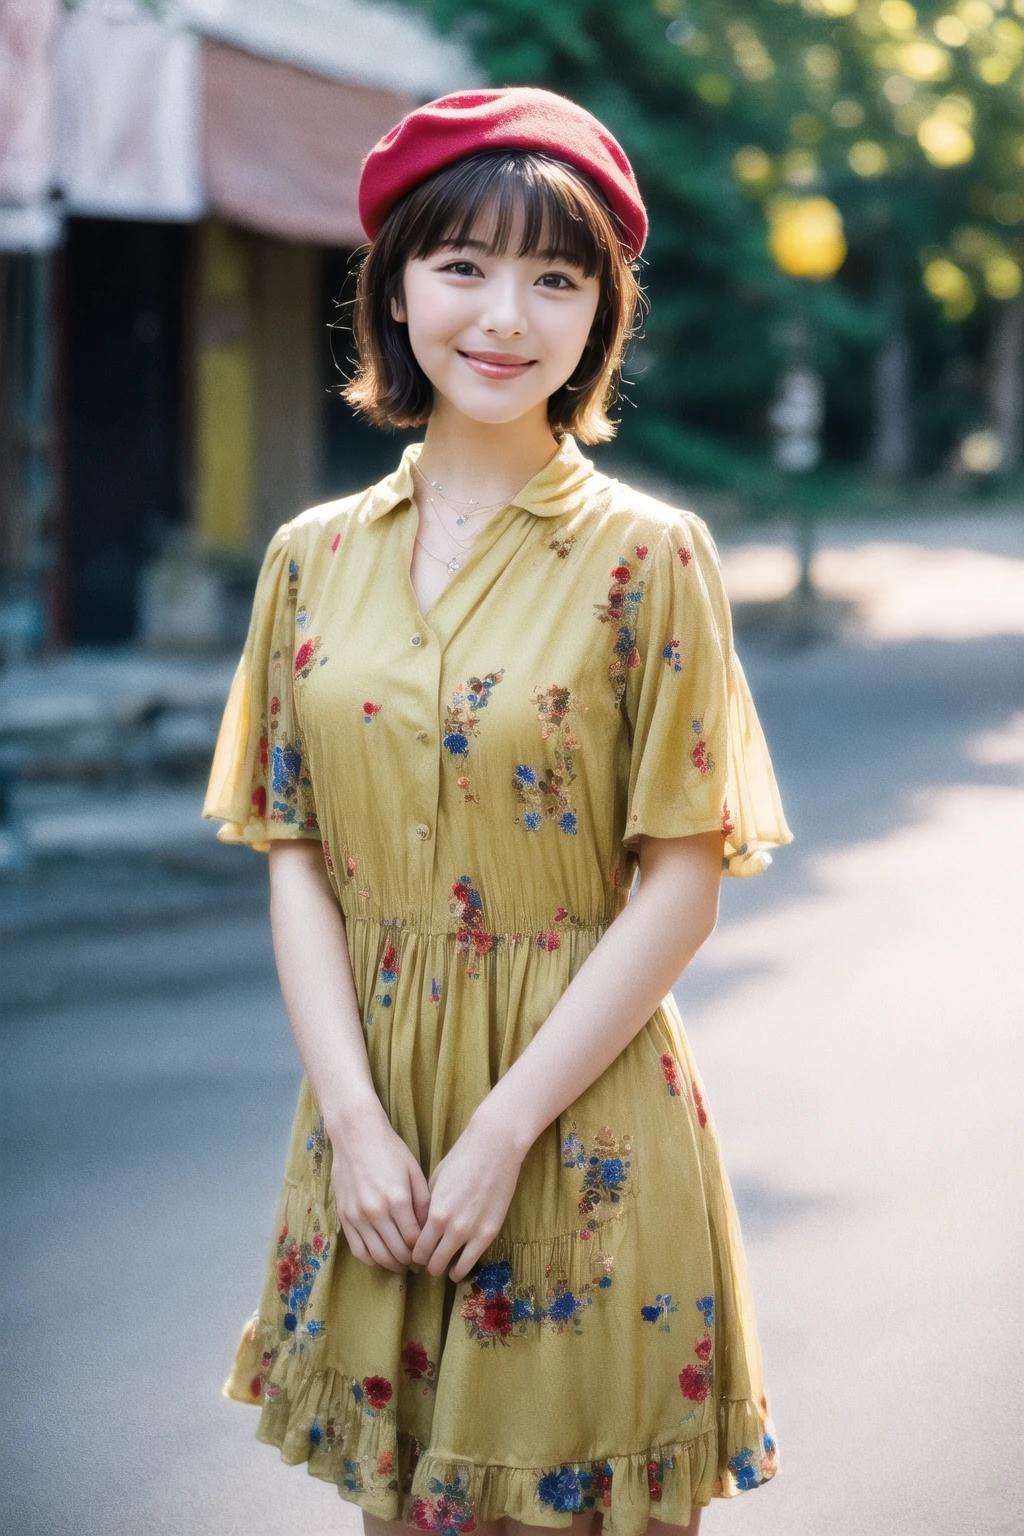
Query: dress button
{"points": [[422, 735], [416, 640], [422, 830]]}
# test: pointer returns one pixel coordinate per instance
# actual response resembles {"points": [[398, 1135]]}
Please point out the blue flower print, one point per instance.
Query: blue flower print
{"points": [[567, 821], [285, 768], [532, 820], [662, 1306], [742, 1468], [526, 775], [461, 718], [706, 1306], [494, 1277], [316, 1434], [561, 1489], [565, 1307]]}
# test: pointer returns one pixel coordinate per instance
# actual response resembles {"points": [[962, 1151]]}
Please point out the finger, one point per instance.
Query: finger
{"points": [[355, 1243], [379, 1252], [393, 1240], [445, 1251], [407, 1218], [469, 1258], [419, 1191], [427, 1241]]}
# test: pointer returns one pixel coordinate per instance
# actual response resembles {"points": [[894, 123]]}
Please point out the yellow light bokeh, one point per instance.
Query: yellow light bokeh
{"points": [[866, 158], [952, 31], [751, 164], [897, 16], [1002, 277], [805, 237], [714, 88], [921, 60], [945, 141]]}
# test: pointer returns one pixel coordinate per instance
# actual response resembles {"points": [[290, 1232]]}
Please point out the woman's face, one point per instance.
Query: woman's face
{"points": [[495, 335]]}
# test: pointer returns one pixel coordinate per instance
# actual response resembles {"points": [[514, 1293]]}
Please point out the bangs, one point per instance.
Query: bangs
{"points": [[479, 200]]}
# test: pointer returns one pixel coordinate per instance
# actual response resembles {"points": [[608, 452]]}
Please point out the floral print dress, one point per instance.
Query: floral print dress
{"points": [[479, 781]]}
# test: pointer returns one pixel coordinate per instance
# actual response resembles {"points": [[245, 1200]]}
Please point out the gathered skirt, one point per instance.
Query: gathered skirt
{"points": [[603, 1354]]}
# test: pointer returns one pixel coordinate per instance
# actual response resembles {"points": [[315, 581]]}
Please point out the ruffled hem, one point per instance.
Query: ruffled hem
{"points": [[348, 1436]]}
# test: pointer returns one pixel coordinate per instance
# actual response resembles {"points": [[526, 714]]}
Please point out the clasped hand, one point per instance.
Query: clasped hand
{"points": [[393, 1216]]}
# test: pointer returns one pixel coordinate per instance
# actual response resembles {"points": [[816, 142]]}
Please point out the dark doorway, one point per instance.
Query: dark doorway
{"points": [[125, 287]]}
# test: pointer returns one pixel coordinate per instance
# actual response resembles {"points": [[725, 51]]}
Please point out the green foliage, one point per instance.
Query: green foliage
{"points": [[723, 105]]}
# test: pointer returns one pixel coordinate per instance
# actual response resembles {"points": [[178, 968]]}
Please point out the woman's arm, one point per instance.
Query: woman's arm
{"points": [[379, 1187], [620, 984]]}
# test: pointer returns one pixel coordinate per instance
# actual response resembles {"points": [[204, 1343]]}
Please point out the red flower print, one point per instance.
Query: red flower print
{"points": [[653, 1485], [561, 914], [702, 1114], [259, 801], [496, 1315], [389, 957], [621, 573], [304, 654], [264, 753], [702, 760], [289, 1269], [334, 543], [482, 942], [641, 551], [414, 1361], [275, 705], [283, 1233], [693, 1383], [369, 710], [668, 1067], [685, 555], [702, 1347], [728, 825], [318, 1242], [460, 890], [585, 1235], [378, 1390], [385, 1462], [255, 1387]]}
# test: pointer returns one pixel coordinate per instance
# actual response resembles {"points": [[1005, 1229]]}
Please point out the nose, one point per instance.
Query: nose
{"points": [[503, 311]]}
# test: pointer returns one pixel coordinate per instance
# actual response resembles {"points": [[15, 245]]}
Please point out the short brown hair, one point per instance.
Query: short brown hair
{"points": [[559, 204]]}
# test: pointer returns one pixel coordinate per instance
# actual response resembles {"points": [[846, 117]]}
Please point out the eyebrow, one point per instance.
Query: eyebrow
{"points": [[548, 254]]}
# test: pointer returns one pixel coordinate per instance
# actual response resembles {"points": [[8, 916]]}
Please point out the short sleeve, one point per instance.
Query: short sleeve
{"points": [[260, 785], [699, 761]]}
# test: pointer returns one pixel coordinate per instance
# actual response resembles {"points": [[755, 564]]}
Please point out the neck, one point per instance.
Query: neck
{"points": [[490, 462]]}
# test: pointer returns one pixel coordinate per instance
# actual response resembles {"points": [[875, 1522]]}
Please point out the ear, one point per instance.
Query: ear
{"points": [[398, 309]]}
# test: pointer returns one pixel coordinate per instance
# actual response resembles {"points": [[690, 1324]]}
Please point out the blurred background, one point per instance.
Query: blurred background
{"points": [[832, 374]]}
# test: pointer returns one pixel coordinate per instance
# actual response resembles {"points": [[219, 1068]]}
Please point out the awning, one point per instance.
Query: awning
{"points": [[283, 147]]}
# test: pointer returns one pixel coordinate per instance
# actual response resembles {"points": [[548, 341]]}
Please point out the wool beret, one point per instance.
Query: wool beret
{"points": [[513, 117]]}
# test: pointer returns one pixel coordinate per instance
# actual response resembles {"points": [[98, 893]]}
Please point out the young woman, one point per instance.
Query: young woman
{"points": [[506, 1285]]}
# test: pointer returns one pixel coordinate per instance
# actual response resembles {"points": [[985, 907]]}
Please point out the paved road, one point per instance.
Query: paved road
{"points": [[857, 1017]]}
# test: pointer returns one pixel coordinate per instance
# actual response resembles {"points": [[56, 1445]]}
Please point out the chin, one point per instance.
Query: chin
{"points": [[493, 410]]}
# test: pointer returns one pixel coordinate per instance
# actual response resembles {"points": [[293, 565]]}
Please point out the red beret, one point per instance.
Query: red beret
{"points": [[516, 117]]}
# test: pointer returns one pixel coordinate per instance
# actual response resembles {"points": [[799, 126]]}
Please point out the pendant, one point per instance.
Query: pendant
{"points": [[460, 520], [453, 564]]}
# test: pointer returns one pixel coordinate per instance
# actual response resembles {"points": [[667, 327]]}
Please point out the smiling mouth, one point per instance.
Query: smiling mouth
{"points": [[497, 366]]}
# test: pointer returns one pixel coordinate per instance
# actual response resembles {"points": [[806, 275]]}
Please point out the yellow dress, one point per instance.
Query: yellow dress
{"points": [[479, 781]]}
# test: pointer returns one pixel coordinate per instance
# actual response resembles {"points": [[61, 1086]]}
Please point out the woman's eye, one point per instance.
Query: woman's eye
{"points": [[453, 264], [559, 277]]}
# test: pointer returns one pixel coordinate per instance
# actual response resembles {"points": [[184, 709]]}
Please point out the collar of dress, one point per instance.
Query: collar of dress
{"points": [[561, 488]]}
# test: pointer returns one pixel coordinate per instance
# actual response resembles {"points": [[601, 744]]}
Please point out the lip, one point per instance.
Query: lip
{"points": [[497, 365]]}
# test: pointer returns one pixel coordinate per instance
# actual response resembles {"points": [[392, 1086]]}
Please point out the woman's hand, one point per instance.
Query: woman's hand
{"points": [[380, 1191], [471, 1190]]}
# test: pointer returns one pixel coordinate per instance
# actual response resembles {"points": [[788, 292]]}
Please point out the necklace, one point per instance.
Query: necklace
{"points": [[454, 564], [463, 516]]}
